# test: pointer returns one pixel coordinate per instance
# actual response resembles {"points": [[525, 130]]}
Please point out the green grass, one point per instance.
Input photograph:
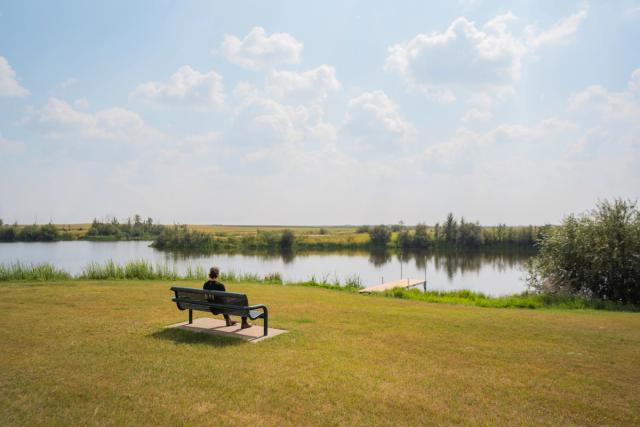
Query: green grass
{"points": [[21, 271], [143, 270], [96, 352], [524, 300], [132, 270]]}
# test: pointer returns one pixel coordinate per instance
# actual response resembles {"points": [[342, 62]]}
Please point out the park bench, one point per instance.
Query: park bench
{"points": [[218, 302]]}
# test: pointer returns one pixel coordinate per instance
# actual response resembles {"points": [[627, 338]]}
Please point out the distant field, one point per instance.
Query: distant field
{"points": [[463, 236], [236, 230], [305, 234], [77, 353]]}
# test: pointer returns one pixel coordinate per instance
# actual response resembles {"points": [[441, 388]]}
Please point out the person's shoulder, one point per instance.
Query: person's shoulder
{"points": [[214, 285]]}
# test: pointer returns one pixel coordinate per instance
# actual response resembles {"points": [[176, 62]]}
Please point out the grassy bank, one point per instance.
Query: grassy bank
{"points": [[524, 300], [96, 352], [142, 270]]}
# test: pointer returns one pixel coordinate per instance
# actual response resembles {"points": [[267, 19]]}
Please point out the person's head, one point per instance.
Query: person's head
{"points": [[214, 272]]}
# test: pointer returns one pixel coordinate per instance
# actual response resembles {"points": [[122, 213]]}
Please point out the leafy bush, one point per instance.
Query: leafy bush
{"points": [[287, 239], [380, 235], [29, 233], [363, 229], [595, 256]]}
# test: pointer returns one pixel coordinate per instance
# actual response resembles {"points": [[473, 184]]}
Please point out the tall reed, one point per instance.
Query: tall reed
{"points": [[37, 272]]}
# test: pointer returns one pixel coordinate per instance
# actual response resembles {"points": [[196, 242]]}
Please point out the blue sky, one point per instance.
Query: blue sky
{"points": [[317, 113]]}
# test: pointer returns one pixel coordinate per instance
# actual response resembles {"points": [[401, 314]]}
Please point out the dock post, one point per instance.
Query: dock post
{"points": [[424, 285]]}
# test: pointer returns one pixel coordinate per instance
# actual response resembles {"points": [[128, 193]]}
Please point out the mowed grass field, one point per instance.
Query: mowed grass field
{"points": [[83, 353]]}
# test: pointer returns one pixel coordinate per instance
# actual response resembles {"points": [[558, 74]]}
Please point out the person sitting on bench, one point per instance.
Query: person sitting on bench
{"points": [[213, 285]]}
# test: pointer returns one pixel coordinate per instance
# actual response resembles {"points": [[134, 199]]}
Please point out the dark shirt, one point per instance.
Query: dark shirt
{"points": [[213, 285]]}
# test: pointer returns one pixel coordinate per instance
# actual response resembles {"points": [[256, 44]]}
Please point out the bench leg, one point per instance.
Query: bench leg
{"points": [[266, 325], [190, 316]]}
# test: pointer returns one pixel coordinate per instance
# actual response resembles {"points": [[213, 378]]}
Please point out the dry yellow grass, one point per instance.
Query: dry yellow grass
{"points": [[96, 353]]}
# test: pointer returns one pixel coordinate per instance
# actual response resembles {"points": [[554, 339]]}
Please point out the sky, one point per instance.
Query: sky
{"points": [[324, 113]]}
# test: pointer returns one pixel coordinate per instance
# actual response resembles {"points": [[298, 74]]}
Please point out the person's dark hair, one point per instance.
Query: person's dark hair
{"points": [[214, 272]]}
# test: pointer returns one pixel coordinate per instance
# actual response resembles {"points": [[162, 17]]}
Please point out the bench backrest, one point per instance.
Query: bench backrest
{"points": [[201, 299]]}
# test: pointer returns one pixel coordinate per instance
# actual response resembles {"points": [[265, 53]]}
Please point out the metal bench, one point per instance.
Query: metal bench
{"points": [[218, 302]]}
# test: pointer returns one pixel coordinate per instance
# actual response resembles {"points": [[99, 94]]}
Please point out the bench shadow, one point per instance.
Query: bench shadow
{"points": [[179, 336]]}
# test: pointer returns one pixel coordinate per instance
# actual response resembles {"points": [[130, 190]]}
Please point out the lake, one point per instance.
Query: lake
{"points": [[491, 273]]}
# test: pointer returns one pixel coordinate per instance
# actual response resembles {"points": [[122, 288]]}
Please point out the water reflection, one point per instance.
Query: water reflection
{"points": [[490, 272], [449, 262]]}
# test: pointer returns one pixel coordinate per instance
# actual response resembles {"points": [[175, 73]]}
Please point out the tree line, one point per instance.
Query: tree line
{"points": [[31, 233], [134, 228], [181, 237], [454, 234]]}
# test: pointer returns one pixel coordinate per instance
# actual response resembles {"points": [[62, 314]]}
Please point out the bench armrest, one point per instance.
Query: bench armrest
{"points": [[260, 307]]}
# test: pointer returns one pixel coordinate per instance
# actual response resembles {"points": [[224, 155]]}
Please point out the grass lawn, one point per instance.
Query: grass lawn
{"points": [[97, 353]]}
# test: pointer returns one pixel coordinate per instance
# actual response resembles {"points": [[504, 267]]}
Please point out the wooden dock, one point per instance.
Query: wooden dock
{"points": [[402, 283]]}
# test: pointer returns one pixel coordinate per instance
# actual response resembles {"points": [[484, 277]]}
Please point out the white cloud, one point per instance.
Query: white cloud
{"points": [[68, 82], [476, 115], [373, 117], [634, 83], [203, 139], [306, 87], [465, 56], [208, 145], [525, 134], [632, 12], [560, 32], [59, 120], [260, 118], [611, 105], [81, 103], [9, 86], [187, 87], [8, 145], [611, 116], [466, 144], [257, 50], [439, 63], [599, 124]]}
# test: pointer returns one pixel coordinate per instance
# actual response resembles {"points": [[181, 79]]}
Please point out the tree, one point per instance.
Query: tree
{"points": [[404, 240], [595, 255], [49, 233], [420, 237], [469, 234], [363, 229], [380, 235], [287, 239], [450, 229]]}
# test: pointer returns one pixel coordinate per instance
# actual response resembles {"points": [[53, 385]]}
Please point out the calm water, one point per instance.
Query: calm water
{"points": [[494, 274]]}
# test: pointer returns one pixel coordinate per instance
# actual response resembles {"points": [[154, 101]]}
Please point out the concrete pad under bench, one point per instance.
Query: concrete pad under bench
{"points": [[211, 326]]}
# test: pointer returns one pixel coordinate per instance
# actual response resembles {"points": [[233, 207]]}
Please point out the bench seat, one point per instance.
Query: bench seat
{"points": [[218, 302]]}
